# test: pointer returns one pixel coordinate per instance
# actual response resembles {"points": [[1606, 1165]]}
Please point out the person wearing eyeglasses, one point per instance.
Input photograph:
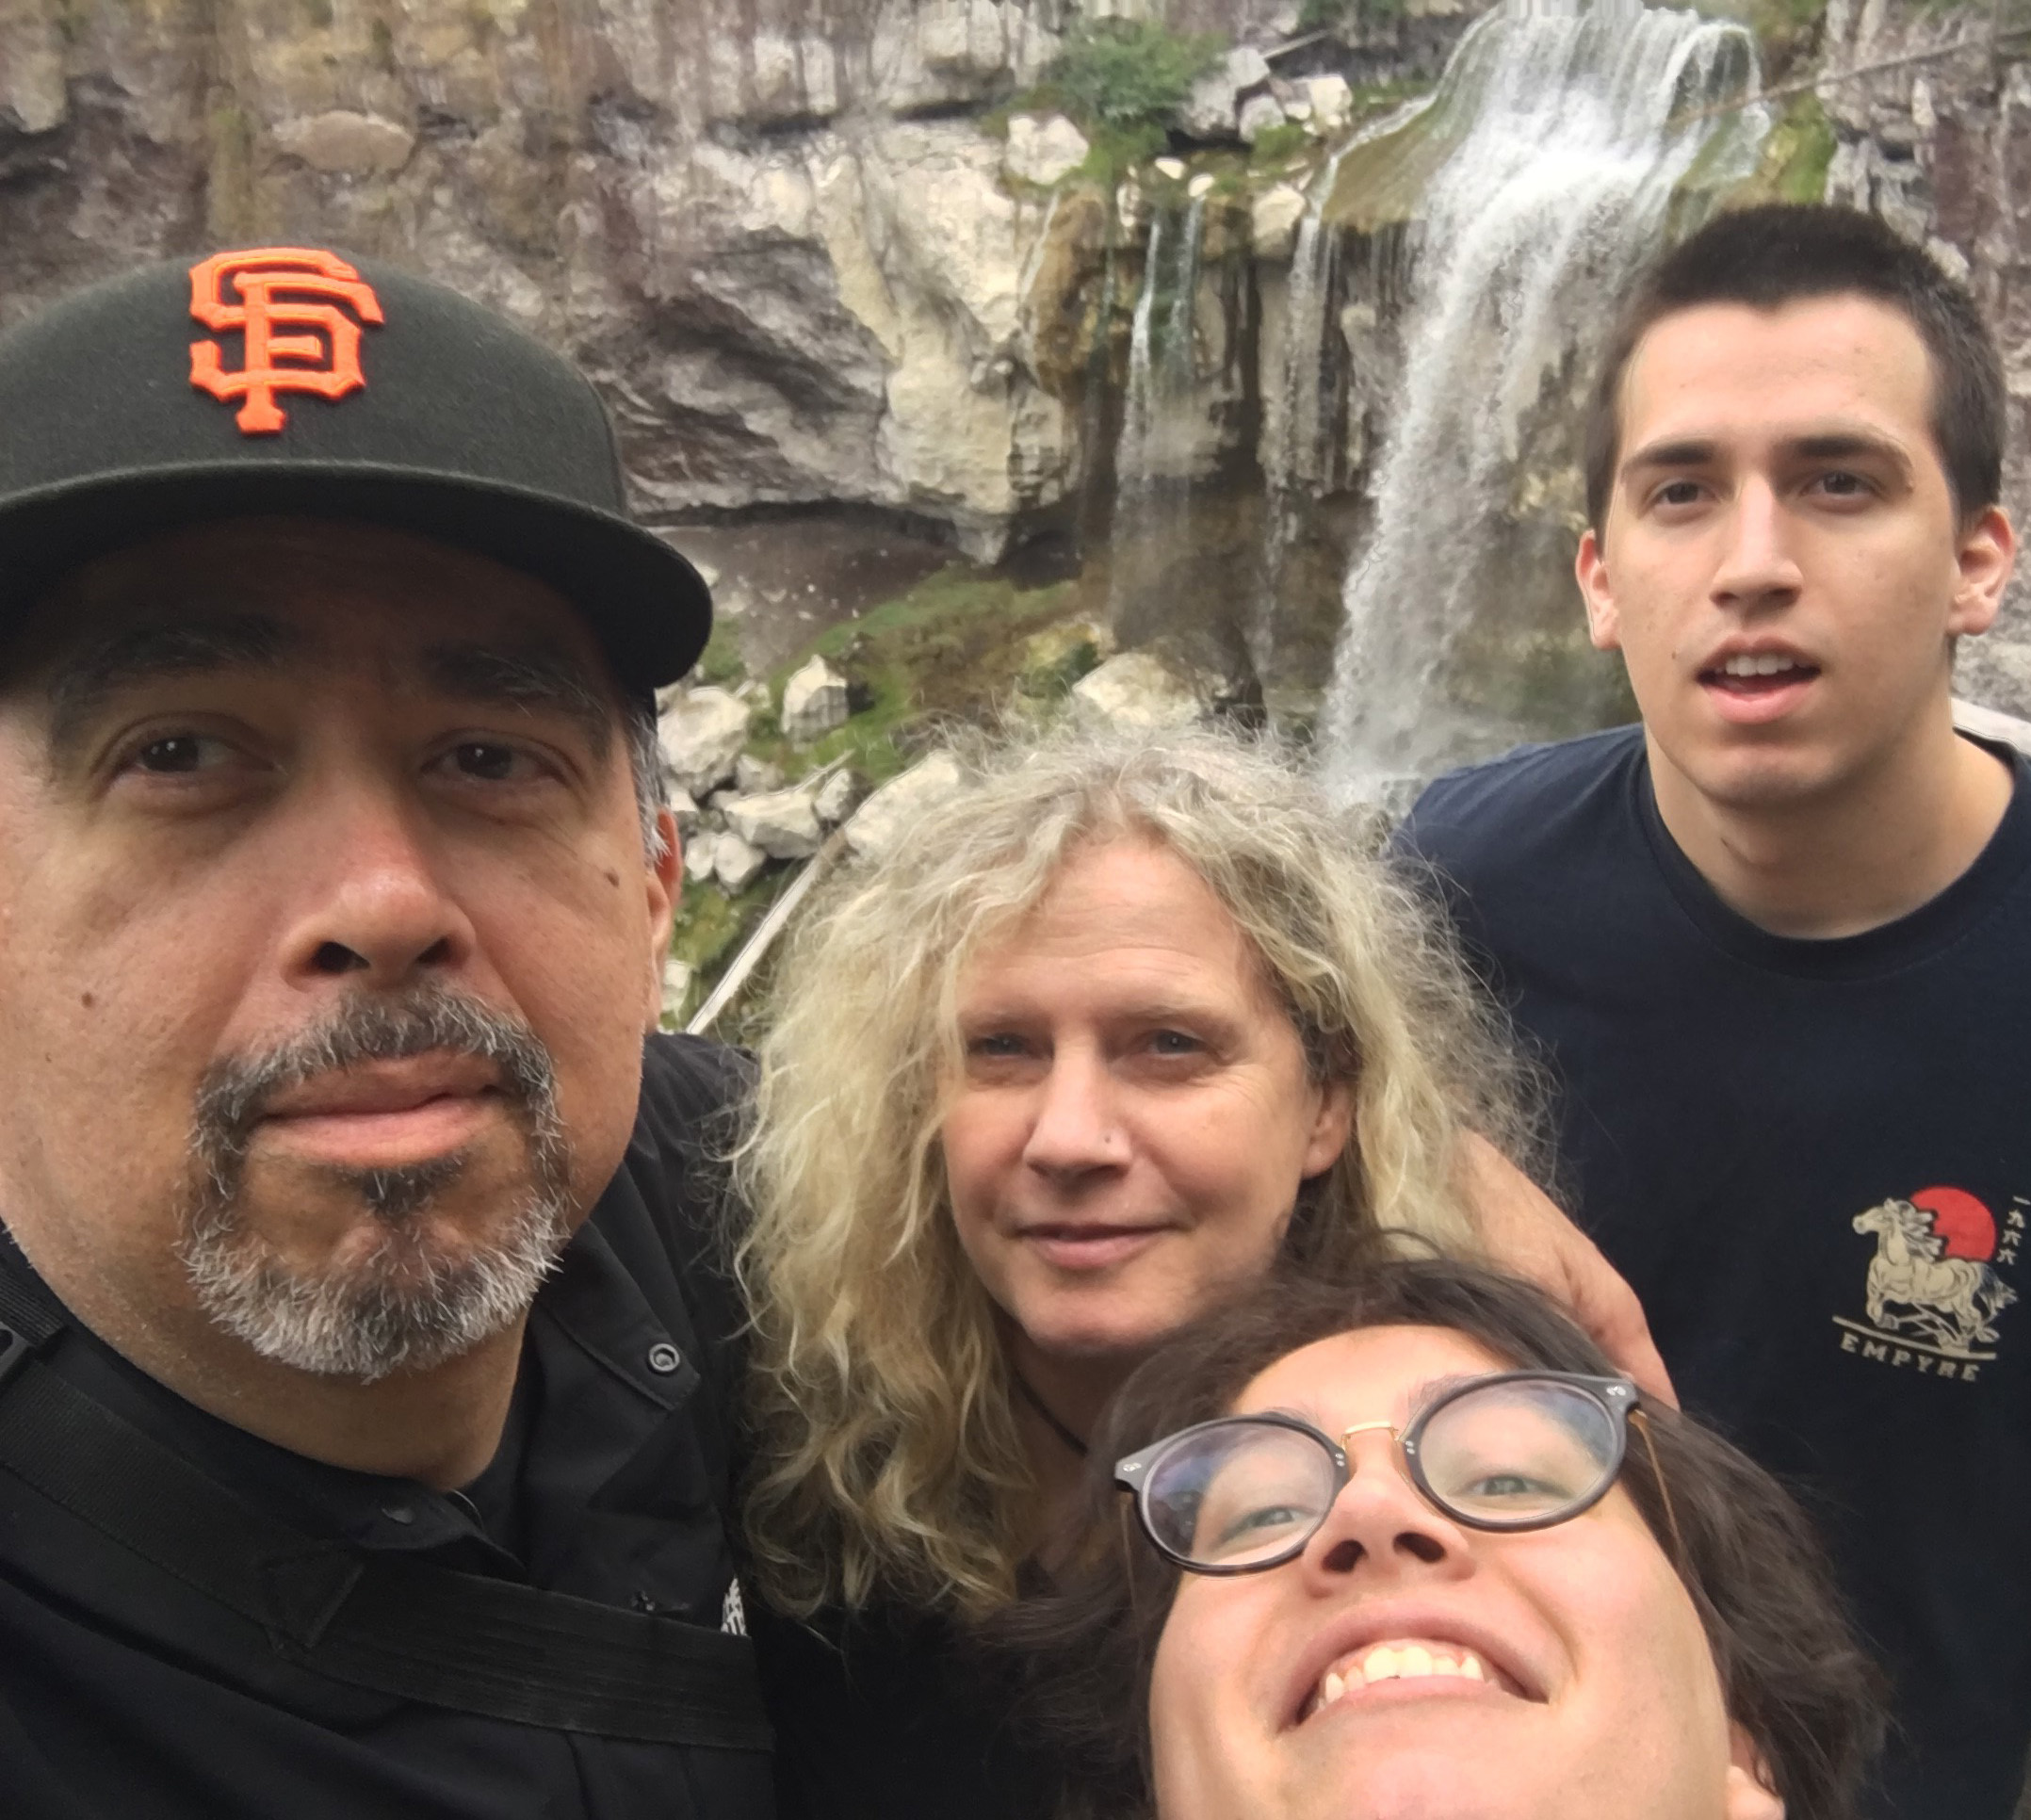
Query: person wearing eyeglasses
{"points": [[1410, 1548]]}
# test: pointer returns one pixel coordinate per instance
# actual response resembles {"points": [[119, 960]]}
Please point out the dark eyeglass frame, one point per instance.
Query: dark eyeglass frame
{"points": [[1617, 1397]]}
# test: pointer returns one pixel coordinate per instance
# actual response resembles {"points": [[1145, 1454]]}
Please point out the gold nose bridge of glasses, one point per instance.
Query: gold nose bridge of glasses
{"points": [[1388, 1428]]}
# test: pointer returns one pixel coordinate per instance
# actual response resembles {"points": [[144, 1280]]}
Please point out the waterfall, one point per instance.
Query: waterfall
{"points": [[1571, 127], [1164, 431]]}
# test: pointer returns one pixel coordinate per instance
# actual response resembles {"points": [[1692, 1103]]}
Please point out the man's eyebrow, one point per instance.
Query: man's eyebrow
{"points": [[1686, 451], [1823, 446], [1849, 445], [89, 673], [524, 676]]}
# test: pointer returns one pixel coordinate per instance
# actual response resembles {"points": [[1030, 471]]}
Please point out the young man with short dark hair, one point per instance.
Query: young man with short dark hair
{"points": [[1775, 944]]}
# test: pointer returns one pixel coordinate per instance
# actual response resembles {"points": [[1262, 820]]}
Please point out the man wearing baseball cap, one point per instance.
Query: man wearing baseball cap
{"points": [[364, 1417]]}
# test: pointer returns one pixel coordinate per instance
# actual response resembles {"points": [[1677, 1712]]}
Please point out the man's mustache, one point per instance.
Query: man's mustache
{"points": [[235, 1091]]}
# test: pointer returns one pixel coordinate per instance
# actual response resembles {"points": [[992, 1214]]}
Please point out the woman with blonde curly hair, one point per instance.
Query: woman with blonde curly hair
{"points": [[1122, 1026]]}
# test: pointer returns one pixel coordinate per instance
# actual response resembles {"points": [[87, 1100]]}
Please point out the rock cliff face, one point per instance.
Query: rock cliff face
{"points": [[770, 229], [1940, 145], [814, 275]]}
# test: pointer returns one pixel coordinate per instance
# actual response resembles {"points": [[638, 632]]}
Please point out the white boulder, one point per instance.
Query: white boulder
{"points": [[1258, 114], [701, 731], [1043, 150], [1200, 186], [814, 702], [1136, 691], [1210, 110], [884, 819], [754, 776], [1331, 100], [782, 824], [836, 798], [699, 850], [1273, 220], [1173, 168], [734, 863]]}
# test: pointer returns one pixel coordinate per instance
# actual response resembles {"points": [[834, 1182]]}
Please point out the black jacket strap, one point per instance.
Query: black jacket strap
{"points": [[390, 1624]]}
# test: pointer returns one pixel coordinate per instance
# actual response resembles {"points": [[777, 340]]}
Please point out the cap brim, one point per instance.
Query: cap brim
{"points": [[650, 609]]}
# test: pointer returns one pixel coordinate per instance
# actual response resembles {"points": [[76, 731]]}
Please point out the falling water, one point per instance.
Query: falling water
{"points": [[1573, 126], [1164, 433]]}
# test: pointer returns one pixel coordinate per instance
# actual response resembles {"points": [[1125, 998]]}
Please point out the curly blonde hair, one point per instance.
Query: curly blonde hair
{"points": [[889, 1462]]}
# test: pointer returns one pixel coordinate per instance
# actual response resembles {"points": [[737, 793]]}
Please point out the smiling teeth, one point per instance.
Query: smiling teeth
{"points": [[1769, 664], [1402, 1661]]}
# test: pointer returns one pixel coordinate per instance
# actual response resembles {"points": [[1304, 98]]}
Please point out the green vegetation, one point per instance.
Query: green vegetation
{"points": [[1329, 15], [1798, 151], [1121, 81], [1273, 144], [1124, 74], [711, 926], [721, 662], [1791, 168], [943, 648]]}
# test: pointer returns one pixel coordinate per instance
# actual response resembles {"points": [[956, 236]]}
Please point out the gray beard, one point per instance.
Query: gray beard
{"points": [[403, 1306]]}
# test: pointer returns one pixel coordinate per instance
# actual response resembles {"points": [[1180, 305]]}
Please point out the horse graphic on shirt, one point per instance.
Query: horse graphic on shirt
{"points": [[1953, 1302]]}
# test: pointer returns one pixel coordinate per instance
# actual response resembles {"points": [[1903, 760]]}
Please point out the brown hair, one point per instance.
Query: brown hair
{"points": [[1791, 1669], [1785, 251]]}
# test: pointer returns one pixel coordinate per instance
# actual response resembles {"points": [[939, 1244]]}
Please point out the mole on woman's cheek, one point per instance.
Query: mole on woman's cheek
{"points": [[613, 879]]}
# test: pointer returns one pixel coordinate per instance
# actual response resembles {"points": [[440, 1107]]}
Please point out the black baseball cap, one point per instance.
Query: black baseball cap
{"points": [[133, 408]]}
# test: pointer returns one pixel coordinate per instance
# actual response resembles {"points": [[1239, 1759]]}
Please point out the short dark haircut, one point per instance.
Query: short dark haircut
{"points": [[1783, 253], [1791, 1670]]}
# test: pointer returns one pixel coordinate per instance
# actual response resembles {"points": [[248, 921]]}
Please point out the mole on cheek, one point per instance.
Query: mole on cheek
{"points": [[614, 879], [87, 1000]]}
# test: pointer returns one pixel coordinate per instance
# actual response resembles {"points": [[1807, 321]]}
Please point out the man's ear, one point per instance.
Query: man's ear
{"points": [[1590, 568], [1748, 1795], [665, 885], [1987, 554]]}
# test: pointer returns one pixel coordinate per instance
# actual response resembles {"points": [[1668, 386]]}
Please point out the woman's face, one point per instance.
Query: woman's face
{"points": [[1560, 1674], [1132, 1119]]}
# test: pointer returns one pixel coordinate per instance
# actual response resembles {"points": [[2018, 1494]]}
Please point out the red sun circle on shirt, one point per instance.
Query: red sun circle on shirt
{"points": [[1967, 1226]]}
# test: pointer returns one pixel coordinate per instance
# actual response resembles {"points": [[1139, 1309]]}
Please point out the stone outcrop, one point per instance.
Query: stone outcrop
{"points": [[1137, 692], [794, 267], [701, 731], [815, 700], [885, 818], [1941, 148], [782, 824]]}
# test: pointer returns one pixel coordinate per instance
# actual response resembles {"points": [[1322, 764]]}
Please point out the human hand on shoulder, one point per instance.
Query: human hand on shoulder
{"points": [[1524, 1231]]}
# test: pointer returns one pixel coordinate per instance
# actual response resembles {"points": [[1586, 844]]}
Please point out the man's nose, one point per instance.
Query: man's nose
{"points": [[1380, 1524], [371, 903], [1758, 567], [1076, 1128]]}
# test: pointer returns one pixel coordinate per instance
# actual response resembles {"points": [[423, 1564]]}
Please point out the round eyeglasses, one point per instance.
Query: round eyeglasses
{"points": [[1512, 1451]]}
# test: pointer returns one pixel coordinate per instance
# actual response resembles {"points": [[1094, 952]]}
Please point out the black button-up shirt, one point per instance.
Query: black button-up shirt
{"points": [[124, 1692]]}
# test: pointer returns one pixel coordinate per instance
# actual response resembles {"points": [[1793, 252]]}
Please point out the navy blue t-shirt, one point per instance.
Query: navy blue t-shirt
{"points": [[1812, 1161]]}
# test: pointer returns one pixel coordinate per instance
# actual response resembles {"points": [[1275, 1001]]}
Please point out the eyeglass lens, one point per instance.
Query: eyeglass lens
{"points": [[1242, 1493], [1519, 1452]]}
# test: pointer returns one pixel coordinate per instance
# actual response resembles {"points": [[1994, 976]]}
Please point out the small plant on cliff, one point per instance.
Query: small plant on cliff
{"points": [[1126, 74]]}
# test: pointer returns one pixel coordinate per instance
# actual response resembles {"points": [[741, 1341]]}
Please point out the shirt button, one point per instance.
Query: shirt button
{"points": [[664, 1359], [399, 1513]]}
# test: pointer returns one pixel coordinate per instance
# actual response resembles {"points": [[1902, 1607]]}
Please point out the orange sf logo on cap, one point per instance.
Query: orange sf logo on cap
{"points": [[279, 286]]}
